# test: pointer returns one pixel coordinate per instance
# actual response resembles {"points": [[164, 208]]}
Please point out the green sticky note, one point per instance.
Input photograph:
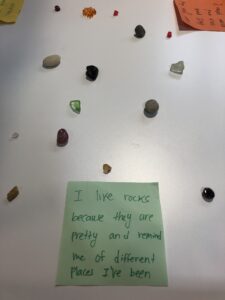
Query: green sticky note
{"points": [[112, 235]]}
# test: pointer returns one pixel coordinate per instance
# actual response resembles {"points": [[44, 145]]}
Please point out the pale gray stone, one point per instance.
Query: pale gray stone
{"points": [[51, 61]]}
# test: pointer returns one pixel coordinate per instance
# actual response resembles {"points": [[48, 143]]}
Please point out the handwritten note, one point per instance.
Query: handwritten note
{"points": [[200, 14], [112, 235], [9, 10]]}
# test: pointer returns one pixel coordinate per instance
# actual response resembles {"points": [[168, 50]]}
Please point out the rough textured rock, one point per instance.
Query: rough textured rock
{"points": [[106, 169], [89, 12], [139, 31], [91, 73], [177, 68]]}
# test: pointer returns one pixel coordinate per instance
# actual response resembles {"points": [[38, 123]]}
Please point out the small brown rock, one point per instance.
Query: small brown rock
{"points": [[13, 193], [106, 169]]}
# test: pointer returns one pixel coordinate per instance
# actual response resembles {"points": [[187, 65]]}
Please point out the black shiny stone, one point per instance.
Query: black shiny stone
{"points": [[91, 73], [57, 8], [208, 194], [139, 31]]}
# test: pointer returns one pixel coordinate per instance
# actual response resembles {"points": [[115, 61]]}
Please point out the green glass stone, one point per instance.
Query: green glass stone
{"points": [[75, 106], [177, 68]]}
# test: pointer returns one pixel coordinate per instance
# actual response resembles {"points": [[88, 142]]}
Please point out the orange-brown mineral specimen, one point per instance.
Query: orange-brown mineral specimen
{"points": [[89, 12]]}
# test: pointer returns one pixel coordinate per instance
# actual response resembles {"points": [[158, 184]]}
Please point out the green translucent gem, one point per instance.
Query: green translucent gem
{"points": [[177, 68], [75, 106]]}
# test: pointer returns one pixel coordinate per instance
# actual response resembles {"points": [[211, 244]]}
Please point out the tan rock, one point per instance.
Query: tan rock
{"points": [[51, 61]]}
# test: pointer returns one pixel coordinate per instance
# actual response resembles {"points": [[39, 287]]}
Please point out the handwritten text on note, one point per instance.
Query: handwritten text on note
{"points": [[200, 14], [112, 235]]}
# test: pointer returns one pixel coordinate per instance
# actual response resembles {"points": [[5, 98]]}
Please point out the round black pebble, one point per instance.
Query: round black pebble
{"points": [[91, 73], [139, 31], [57, 8], [208, 194]]}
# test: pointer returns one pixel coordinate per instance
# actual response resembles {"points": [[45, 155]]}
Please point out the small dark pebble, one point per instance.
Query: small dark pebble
{"points": [[208, 194], [91, 73], [139, 31], [151, 108], [13, 194], [62, 138], [57, 8]]}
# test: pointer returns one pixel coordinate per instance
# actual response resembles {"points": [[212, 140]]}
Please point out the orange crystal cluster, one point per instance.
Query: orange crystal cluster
{"points": [[89, 12]]}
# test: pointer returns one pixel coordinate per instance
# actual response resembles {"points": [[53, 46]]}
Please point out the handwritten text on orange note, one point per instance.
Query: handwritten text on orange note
{"points": [[202, 14]]}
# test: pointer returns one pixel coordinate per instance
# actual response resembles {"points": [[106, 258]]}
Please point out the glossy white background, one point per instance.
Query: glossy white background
{"points": [[183, 148]]}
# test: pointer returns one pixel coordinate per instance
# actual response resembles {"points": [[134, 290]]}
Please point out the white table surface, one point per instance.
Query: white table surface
{"points": [[183, 148]]}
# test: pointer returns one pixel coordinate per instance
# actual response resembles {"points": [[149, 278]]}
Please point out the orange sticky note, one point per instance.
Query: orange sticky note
{"points": [[208, 15]]}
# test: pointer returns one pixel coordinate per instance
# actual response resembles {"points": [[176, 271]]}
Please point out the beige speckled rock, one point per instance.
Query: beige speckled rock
{"points": [[51, 61], [106, 169]]}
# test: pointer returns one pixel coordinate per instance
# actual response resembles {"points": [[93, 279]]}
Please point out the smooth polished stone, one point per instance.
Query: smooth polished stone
{"points": [[51, 61], [208, 194], [75, 106], [62, 138]]}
